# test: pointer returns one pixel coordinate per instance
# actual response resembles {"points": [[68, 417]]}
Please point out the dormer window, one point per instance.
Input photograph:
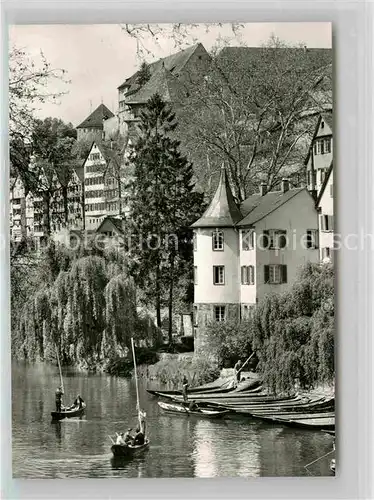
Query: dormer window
{"points": [[217, 241]]}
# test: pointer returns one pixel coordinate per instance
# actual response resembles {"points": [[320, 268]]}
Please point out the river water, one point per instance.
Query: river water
{"points": [[180, 446]]}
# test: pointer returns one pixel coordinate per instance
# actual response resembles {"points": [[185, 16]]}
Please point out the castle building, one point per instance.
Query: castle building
{"points": [[92, 127], [242, 253]]}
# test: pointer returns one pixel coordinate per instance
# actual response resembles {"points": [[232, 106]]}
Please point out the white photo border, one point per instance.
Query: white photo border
{"points": [[352, 24]]}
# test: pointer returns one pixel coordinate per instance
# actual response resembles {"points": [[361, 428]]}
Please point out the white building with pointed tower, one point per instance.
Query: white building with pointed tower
{"points": [[242, 253]]}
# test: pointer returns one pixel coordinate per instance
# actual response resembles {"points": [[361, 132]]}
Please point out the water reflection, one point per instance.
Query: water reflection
{"points": [[181, 446]]}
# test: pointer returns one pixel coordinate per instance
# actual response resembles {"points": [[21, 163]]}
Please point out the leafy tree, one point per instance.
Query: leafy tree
{"points": [[229, 341], [144, 74], [252, 113], [53, 161], [293, 333], [163, 205]]}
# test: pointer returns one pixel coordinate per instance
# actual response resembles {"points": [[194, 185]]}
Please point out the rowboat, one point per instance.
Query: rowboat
{"points": [[71, 411], [129, 451], [183, 410], [68, 412], [125, 450], [312, 423]]}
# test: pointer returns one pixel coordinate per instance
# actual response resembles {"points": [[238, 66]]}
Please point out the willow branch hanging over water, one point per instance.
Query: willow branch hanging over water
{"points": [[89, 311]]}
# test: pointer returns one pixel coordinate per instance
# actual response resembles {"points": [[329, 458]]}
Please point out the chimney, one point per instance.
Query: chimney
{"points": [[263, 188], [285, 185]]}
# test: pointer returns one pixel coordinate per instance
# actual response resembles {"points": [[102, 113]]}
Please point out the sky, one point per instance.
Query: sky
{"points": [[98, 58]]}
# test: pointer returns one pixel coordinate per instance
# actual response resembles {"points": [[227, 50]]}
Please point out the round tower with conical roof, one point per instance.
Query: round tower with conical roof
{"points": [[216, 263]]}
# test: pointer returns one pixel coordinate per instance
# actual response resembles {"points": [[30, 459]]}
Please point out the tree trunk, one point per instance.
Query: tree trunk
{"points": [[158, 297], [171, 289]]}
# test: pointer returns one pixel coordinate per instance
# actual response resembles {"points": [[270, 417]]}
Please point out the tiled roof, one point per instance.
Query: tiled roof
{"points": [[95, 120], [323, 187], [256, 207], [174, 63], [162, 82], [222, 211], [117, 223], [328, 117], [80, 173], [253, 56]]}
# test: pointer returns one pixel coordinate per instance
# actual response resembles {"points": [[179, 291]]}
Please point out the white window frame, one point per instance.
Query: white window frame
{"points": [[218, 241], [247, 239], [312, 243], [220, 314], [218, 275], [275, 275]]}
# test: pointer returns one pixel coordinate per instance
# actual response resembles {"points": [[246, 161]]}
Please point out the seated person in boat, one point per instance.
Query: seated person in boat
{"points": [[193, 406], [128, 439], [78, 402], [139, 437], [59, 394], [120, 438]]}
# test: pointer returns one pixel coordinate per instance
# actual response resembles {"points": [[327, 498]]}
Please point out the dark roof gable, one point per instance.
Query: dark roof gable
{"points": [[95, 120]]}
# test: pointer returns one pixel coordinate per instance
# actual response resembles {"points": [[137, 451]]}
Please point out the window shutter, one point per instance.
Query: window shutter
{"points": [[214, 275], [265, 239], [212, 240], [331, 222], [283, 274], [242, 273], [283, 239], [322, 222], [266, 274], [251, 238]]}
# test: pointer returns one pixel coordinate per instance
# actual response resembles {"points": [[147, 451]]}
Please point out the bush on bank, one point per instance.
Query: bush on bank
{"points": [[171, 371]]}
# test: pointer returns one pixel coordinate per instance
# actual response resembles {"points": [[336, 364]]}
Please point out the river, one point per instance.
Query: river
{"points": [[180, 446]]}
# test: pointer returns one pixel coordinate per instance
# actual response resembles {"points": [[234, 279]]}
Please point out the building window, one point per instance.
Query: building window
{"points": [[274, 239], [248, 275], [219, 313], [248, 240], [195, 275], [322, 146], [275, 274], [326, 222], [194, 241], [326, 253], [217, 240], [312, 238], [218, 275], [195, 316]]}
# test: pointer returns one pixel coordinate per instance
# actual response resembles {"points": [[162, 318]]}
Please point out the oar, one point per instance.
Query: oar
{"points": [[110, 437], [317, 460], [250, 357]]}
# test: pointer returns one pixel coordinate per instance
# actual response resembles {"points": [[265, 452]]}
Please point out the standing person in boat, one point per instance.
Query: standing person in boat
{"points": [[142, 420], [59, 394], [237, 369], [185, 388]]}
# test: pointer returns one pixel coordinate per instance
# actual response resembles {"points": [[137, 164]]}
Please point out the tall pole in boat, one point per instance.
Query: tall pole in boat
{"points": [[136, 378], [59, 368]]}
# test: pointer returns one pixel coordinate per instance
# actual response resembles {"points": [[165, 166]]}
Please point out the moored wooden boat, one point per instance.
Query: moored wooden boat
{"points": [[183, 410], [68, 413], [128, 451]]}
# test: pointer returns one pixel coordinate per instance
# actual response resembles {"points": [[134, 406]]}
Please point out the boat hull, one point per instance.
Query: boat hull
{"points": [[126, 451], [182, 410], [61, 415]]}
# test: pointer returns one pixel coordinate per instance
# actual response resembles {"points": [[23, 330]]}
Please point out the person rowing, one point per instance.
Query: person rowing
{"points": [[78, 402], [185, 388], [193, 406], [139, 437], [59, 394]]}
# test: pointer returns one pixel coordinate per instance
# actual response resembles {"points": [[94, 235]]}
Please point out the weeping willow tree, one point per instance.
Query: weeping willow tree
{"points": [[293, 333], [87, 312]]}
